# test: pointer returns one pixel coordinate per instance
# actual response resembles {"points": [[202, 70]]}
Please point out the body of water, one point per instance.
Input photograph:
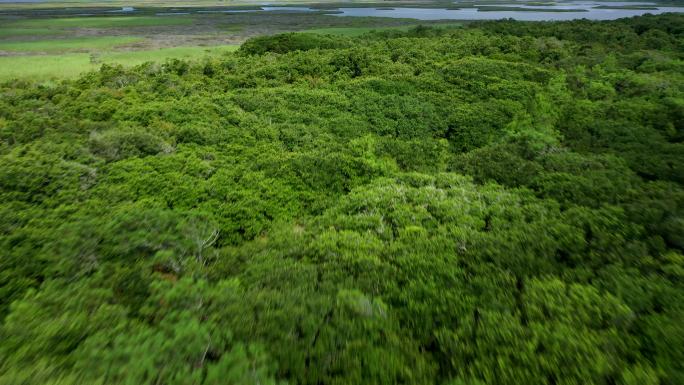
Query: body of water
{"points": [[567, 10], [560, 11]]}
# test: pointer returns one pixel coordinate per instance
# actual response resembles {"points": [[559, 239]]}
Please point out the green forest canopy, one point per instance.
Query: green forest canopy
{"points": [[497, 204]]}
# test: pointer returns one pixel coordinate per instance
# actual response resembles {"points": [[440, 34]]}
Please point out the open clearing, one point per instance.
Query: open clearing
{"points": [[71, 65], [12, 32], [42, 49], [102, 22], [60, 45]]}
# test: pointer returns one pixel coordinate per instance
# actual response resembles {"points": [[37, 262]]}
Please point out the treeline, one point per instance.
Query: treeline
{"points": [[495, 204]]}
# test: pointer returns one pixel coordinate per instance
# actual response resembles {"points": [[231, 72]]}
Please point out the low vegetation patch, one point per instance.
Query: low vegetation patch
{"points": [[71, 65], [103, 22], [71, 44]]}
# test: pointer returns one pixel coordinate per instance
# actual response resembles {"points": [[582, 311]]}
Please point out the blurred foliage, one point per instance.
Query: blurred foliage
{"points": [[497, 204]]}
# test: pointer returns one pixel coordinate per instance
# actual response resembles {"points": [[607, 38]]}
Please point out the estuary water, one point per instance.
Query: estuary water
{"points": [[559, 11], [565, 10]]}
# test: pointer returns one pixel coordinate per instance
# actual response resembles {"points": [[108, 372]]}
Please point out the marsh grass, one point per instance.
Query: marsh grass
{"points": [[8, 32], [71, 65], [62, 45], [103, 22]]}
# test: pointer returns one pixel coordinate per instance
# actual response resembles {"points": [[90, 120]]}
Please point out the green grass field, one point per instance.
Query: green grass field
{"points": [[165, 3], [62, 45], [131, 58], [70, 65], [102, 22], [6, 32], [44, 49]]}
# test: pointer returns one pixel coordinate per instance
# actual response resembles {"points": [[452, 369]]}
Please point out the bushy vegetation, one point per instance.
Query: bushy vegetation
{"points": [[498, 204]]}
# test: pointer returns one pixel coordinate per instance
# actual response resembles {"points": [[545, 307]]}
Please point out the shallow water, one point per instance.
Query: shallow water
{"points": [[559, 11], [586, 9], [567, 10]]}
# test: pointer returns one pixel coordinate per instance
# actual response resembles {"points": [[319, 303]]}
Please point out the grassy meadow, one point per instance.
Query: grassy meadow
{"points": [[6, 32], [37, 47], [71, 65], [43, 49], [59, 45], [102, 22]]}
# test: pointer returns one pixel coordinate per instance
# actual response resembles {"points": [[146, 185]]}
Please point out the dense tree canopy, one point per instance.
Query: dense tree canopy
{"points": [[497, 204]]}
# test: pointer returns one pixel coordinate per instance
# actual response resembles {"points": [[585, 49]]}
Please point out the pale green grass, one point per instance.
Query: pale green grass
{"points": [[358, 31], [103, 22], [11, 32], [131, 58], [41, 68], [158, 3], [71, 65], [55, 45]]}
